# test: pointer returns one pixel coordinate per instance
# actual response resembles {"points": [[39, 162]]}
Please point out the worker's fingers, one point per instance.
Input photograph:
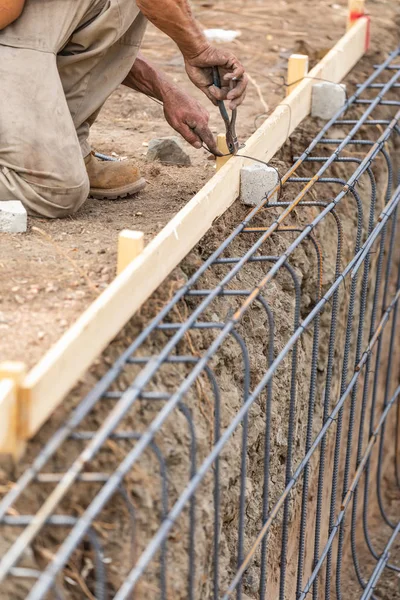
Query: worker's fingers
{"points": [[202, 130], [235, 95], [219, 93], [189, 118], [233, 104], [238, 89], [238, 93], [189, 135], [210, 95], [235, 71], [225, 61], [231, 72]]}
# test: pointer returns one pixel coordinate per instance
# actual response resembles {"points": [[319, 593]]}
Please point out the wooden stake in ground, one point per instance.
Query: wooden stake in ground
{"points": [[130, 245], [356, 10], [297, 70], [222, 147]]}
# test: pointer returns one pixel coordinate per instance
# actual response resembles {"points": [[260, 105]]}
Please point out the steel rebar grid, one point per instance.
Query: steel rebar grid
{"points": [[361, 307]]}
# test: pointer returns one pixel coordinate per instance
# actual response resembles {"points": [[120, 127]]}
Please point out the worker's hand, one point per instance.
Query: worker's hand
{"points": [[189, 118], [199, 70]]}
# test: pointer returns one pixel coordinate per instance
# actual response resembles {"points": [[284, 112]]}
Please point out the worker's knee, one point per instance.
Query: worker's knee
{"points": [[61, 202], [52, 196], [57, 202]]}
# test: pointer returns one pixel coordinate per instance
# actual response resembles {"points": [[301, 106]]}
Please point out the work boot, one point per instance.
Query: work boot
{"points": [[110, 180]]}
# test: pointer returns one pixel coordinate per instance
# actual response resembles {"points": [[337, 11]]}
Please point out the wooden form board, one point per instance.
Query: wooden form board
{"points": [[54, 376], [11, 440], [8, 420]]}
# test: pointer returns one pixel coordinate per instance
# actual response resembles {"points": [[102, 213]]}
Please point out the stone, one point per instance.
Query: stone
{"points": [[256, 181], [13, 217], [168, 150], [327, 99]]}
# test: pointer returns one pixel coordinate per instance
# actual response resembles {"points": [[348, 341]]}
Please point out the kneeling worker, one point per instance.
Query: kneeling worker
{"points": [[59, 62]]}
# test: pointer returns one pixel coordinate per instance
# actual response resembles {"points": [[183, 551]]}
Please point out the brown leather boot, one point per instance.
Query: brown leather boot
{"points": [[110, 180]]}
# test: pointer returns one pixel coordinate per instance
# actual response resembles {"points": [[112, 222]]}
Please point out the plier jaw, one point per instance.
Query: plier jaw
{"points": [[231, 138]]}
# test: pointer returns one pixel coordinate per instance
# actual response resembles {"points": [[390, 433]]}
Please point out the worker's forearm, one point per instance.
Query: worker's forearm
{"points": [[147, 79], [10, 10], [175, 18]]}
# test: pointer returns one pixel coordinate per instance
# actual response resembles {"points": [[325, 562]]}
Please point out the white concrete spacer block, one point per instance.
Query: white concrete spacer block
{"points": [[13, 217], [256, 181], [327, 99]]}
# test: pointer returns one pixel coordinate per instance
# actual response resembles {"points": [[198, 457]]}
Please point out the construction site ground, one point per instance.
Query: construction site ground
{"points": [[50, 276]]}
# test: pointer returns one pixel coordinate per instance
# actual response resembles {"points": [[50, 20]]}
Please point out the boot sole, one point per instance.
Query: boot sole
{"points": [[118, 193]]}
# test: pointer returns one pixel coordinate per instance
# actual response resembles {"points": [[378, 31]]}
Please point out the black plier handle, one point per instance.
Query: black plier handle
{"points": [[230, 123]]}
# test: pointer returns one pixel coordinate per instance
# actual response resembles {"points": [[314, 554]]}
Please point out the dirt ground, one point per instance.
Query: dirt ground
{"points": [[49, 277]]}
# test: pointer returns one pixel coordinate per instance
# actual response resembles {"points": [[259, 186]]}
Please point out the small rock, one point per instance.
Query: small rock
{"points": [[50, 287], [168, 150], [13, 217], [40, 335]]}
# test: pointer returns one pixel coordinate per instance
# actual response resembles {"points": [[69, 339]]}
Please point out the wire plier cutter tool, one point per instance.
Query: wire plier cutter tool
{"points": [[230, 123]]}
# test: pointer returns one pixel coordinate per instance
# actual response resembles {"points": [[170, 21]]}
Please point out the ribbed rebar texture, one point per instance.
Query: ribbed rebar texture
{"points": [[247, 443]]}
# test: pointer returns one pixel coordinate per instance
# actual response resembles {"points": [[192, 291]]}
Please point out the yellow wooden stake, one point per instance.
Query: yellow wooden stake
{"points": [[356, 10], [130, 245], [222, 147], [297, 70], [11, 438]]}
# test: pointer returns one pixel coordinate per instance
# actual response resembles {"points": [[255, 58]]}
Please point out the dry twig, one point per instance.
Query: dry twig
{"points": [[259, 92]]}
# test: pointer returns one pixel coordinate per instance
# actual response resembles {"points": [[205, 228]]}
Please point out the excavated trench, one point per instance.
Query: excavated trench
{"points": [[126, 525]]}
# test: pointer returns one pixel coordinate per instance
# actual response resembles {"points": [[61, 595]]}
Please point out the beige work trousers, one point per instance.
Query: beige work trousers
{"points": [[59, 62]]}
